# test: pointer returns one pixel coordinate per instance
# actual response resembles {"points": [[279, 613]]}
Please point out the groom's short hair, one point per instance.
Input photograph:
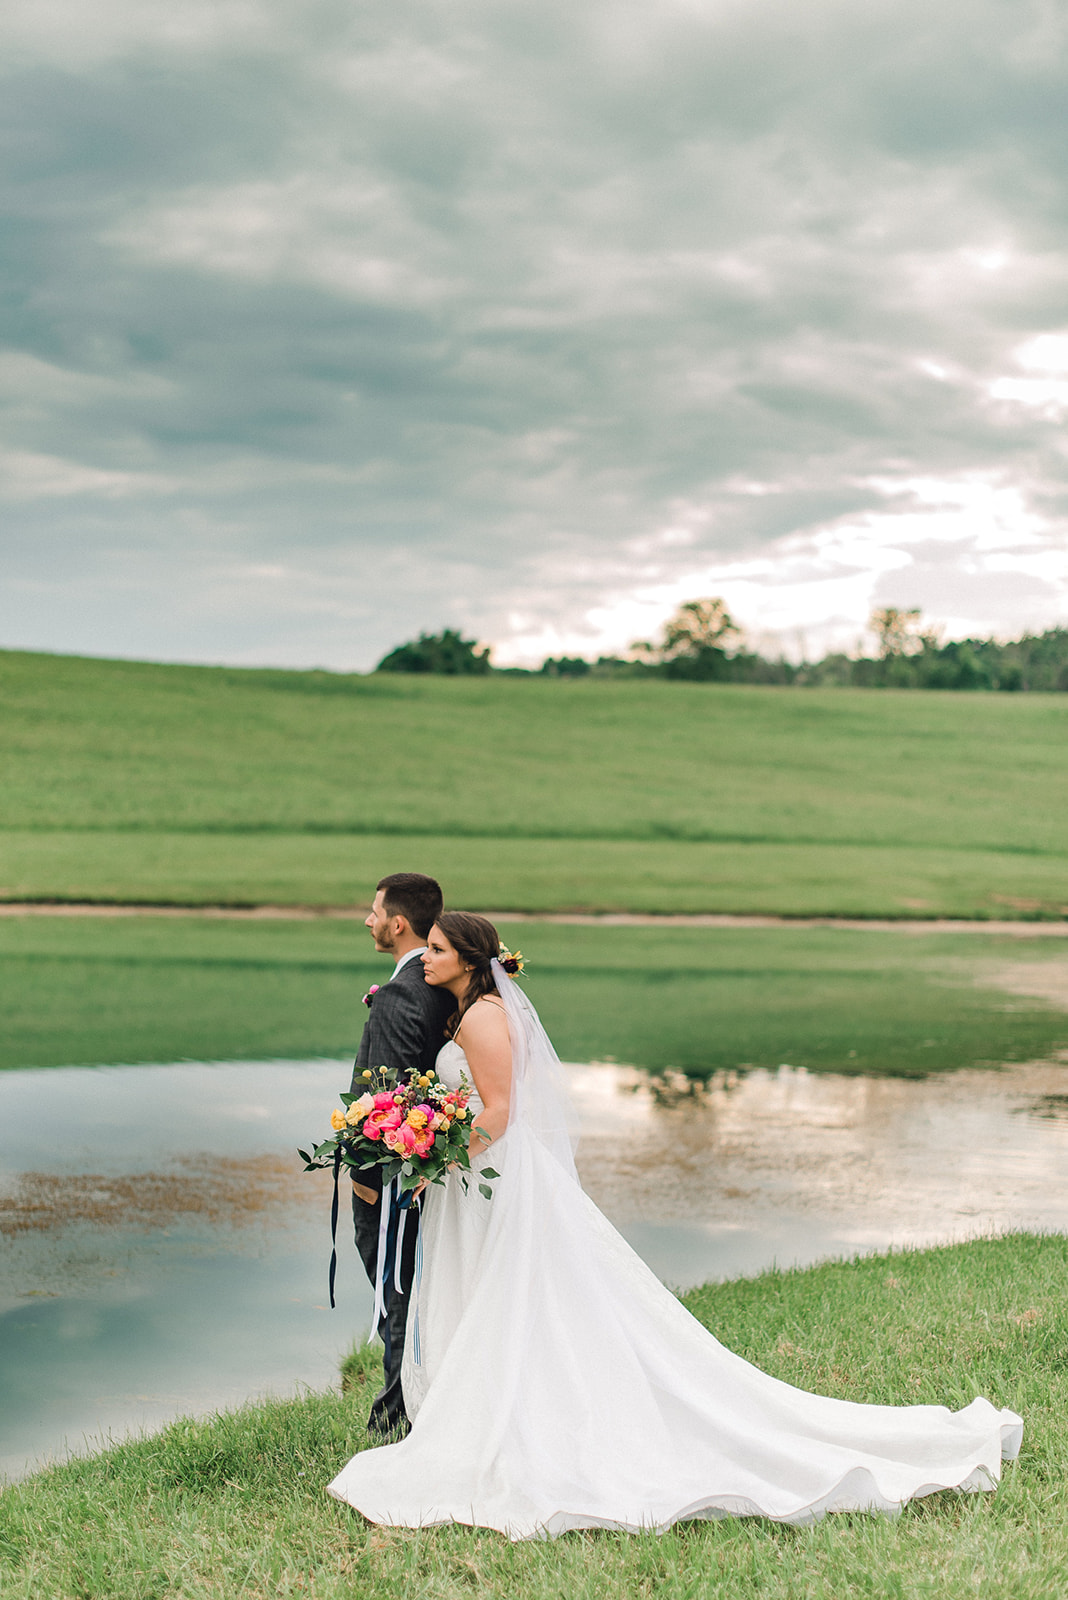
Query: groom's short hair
{"points": [[414, 896]]}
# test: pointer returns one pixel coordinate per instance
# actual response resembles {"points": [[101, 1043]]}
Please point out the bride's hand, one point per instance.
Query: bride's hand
{"points": [[417, 1191]]}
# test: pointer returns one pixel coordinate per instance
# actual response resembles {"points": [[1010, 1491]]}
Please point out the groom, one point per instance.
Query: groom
{"points": [[404, 1029]]}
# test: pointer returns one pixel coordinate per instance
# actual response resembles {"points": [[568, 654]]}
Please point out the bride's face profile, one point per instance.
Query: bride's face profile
{"points": [[442, 965]]}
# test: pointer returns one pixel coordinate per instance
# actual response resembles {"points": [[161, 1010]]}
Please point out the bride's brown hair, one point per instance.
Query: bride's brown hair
{"points": [[477, 943]]}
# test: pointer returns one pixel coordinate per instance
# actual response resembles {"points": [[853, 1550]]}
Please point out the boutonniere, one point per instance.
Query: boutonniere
{"points": [[372, 991]]}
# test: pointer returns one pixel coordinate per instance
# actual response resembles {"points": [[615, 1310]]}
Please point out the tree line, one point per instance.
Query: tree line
{"points": [[702, 643]]}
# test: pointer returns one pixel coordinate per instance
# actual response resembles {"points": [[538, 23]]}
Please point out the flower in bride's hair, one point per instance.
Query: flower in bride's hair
{"points": [[512, 961], [337, 1120]]}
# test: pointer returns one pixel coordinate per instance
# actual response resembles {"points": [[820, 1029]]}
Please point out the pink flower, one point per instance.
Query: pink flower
{"points": [[372, 991], [401, 1140], [381, 1121], [383, 1100], [424, 1142]]}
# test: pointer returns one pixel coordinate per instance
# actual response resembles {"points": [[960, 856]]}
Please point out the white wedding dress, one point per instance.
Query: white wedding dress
{"points": [[554, 1383]]}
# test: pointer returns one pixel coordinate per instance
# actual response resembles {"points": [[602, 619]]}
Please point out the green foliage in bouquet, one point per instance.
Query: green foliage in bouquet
{"points": [[409, 1124]]}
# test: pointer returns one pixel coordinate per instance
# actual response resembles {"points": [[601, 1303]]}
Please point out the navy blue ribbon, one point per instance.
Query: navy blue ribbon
{"points": [[333, 1226], [389, 1269]]}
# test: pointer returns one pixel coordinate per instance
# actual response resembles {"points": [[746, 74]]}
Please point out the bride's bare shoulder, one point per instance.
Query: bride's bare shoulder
{"points": [[483, 1019]]}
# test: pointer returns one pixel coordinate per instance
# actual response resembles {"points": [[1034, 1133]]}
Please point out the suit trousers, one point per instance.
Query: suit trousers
{"points": [[387, 1409]]}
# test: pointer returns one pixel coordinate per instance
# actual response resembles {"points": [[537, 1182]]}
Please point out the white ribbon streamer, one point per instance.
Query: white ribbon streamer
{"points": [[418, 1282], [401, 1226], [383, 1230]]}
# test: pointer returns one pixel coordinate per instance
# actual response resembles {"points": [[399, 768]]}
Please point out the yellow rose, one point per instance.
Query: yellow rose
{"points": [[364, 1104], [337, 1120]]}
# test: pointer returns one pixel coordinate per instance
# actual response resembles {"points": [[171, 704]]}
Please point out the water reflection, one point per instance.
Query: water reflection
{"points": [[162, 1252], [1051, 1107], [793, 1166]]}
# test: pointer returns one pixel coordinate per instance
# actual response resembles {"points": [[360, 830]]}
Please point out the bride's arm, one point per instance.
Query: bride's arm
{"points": [[488, 1050]]}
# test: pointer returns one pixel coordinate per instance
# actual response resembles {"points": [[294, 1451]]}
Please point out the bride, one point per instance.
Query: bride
{"points": [[554, 1383]]}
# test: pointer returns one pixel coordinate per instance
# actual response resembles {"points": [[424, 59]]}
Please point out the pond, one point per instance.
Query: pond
{"points": [[161, 1251]]}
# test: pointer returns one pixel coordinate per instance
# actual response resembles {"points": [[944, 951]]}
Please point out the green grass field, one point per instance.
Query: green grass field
{"points": [[131, 989], [127, 781], [233, 1508]]}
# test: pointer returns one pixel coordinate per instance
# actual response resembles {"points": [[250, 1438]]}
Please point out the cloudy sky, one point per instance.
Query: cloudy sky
{"points": [[324, 323]]}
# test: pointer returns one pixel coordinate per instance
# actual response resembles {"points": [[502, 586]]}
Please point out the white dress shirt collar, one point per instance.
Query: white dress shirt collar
{"points": [[408, 956]]}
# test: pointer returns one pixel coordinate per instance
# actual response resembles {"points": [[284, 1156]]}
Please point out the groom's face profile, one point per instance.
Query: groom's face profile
{"points": [[384, 928]]}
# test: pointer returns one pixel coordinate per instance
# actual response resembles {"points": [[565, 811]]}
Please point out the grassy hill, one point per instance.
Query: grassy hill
{"points": [[131, 781]]}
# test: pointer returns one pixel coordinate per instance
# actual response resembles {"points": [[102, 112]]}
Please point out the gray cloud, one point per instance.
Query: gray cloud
{"points": [[321, 326]]}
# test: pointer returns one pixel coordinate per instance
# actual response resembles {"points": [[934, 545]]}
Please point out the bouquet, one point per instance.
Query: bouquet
{"points": [[409, 1124]]}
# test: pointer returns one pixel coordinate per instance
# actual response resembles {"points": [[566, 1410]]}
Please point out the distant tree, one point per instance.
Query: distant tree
{"points": [[1040, 660], [836, 670], [896, 630], [446, 653], [565, 667], [960, 664], [695, 642], [702, 643], [699, 625]]}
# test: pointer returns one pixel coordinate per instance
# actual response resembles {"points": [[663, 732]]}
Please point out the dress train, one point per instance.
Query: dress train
{"points": [[559, 1385]]}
